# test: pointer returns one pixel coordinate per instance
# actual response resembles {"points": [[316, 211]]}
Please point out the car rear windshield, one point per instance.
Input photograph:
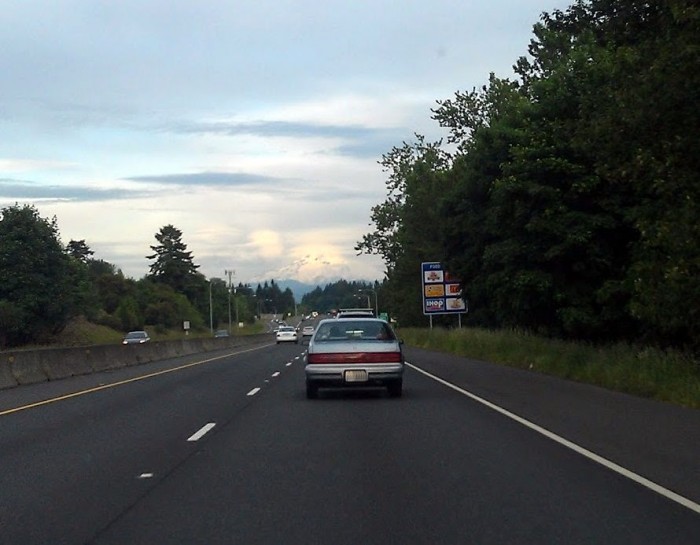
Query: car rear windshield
{"points": [[353, 330]]}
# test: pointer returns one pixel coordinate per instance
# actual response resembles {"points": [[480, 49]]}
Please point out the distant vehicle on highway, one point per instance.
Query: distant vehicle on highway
{"points": [[354, 353], [355, 313], [136, 337], [308, 331], [287, 333]]}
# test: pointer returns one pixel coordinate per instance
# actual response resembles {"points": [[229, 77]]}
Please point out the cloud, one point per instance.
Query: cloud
{"points": [[22, 190], [255, 129], [28, 165], [267, 244], [211, 179], [352, 140]]}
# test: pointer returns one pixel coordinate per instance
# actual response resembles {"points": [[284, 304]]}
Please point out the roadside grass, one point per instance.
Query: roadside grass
{"points": [[669, 376], [81, 332]]}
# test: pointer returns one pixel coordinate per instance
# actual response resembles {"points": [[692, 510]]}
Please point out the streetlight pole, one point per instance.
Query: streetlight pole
{"points": [[376, 300], [259, 307], [229, 273], [235, 305], [211, 312]]}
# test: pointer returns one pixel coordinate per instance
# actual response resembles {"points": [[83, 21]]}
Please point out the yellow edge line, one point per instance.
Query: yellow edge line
{"points": [[122, 382]]}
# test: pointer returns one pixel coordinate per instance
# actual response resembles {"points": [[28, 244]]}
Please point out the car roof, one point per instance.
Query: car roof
{"points": [[355, 312], [353, 319]]}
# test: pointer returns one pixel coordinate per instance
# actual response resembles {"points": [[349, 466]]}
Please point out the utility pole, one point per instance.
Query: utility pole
{"points": [[229, 273], [235, 305], [211, 312], [369, 304]]}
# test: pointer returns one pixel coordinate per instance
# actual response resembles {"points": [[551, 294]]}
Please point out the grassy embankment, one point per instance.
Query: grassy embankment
{"points": [[83, 333], [647, 372]]}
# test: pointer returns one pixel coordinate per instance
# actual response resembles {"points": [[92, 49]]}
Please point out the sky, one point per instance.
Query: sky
{"points": [[255, 127]]}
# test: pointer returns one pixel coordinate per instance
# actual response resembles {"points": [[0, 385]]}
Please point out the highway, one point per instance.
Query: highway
{"points": [[224, 448]]}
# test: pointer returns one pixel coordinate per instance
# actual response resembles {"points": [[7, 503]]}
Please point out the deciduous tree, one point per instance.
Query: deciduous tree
{"points": [[39, 290]]}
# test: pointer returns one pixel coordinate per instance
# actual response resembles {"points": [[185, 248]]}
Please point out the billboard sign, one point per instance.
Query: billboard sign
{"points": [[442, 293]]}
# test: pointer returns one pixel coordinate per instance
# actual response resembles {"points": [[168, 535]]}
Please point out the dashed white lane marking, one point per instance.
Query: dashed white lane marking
{"points": [[127, 381], [202, 432], [276, 374], [253, 392], [289, 363], [145, 476], [685, 502]]}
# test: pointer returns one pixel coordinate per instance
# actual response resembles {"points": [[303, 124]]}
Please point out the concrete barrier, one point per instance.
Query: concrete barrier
{"points": [[104, 358], [28, 367], [32, 366], [7, 378], [67, 362]]}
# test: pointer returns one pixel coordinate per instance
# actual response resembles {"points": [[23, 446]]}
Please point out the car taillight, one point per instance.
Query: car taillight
{"points": [[356, 357]]}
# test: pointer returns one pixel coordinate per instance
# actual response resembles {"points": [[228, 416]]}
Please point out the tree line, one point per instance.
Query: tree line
{"points": [[44, 285], [342, 294], [567, 198]]}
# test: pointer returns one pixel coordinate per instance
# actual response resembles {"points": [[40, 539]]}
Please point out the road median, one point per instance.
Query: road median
{"points": [[22, 367]]}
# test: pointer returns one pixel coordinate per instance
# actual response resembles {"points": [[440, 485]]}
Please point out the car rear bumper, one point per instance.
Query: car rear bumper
{"points": [[335, 374]]}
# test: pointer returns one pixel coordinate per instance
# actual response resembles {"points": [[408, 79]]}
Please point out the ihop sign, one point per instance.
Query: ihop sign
{"points": [[442, 293]]}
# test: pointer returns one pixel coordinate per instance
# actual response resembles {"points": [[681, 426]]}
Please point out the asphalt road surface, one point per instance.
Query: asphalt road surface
{"points": [[225, 448]]}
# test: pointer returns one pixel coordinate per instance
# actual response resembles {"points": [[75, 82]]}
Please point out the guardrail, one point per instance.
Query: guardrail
{"points": [[31, 366]]}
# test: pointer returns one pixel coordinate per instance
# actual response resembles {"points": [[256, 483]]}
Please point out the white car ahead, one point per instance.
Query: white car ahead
{"points": [[287, 334]]}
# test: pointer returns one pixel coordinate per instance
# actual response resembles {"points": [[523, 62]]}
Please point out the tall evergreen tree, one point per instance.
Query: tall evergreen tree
{"points": [[79, 250], [172, 263]]}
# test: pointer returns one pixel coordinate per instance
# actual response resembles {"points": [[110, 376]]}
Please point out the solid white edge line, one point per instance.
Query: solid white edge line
{"points": [[253, 392], [202, 432], [685, 502]]}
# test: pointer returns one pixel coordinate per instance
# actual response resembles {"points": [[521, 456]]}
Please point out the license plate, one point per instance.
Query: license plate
{"points": [[356, 375]]}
